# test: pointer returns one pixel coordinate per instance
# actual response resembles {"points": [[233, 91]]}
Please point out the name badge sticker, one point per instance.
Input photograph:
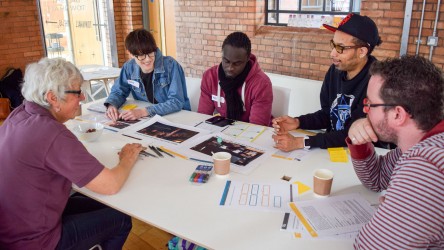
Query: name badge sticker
{"points": [[134, 83], [216, 98]]}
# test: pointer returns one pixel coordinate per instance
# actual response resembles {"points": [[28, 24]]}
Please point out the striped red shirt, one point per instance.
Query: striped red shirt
{"points": [[412, 214]]}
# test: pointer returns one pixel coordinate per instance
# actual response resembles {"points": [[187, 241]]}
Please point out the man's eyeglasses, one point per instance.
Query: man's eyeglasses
{"points": [[142, 57], [368, 105], [76, 92], [340, 49]]}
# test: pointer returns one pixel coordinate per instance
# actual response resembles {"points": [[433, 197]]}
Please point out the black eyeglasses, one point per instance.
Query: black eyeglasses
{"points": [[368, 105], [340, 49], [76, 92], [142, 57]]}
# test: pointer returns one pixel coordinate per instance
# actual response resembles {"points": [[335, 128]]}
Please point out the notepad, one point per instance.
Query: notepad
{"points": [[338, 154]]}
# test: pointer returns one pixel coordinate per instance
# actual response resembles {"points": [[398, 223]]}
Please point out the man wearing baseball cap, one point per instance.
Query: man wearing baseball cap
{"points": [[343, 90]]}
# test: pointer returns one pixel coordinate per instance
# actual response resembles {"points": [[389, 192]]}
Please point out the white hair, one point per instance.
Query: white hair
{"points": [[49, 74]]}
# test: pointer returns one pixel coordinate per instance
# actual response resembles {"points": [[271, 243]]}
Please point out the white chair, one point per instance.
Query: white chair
{"points": [[281, 101], [304, 97], [193, 91]]}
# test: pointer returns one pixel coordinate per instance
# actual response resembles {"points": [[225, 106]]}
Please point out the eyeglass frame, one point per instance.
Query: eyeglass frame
{"points": [[76, 92], [144, 56], [368, 105], [335, 46]]}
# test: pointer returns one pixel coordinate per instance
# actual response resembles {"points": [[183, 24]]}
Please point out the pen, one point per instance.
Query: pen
{"points": [[111, 129], [161, 150], [198, 124], [199, 160], [155, 151], [131, 137], [147, 154]]}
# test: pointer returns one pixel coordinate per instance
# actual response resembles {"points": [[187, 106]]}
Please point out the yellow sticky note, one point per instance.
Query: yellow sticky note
{"points": [[338, 154], [129, 106], [302, 188]]}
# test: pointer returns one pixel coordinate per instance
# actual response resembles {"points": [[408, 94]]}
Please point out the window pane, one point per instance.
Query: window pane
{"points": [[338, 5], [356, 5], [288, 5], [312, 5], [272, 5], [77, 31], [272, 18]]}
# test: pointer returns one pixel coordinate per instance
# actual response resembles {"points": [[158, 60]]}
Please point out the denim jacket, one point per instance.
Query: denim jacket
{"points": [[169, 86]]}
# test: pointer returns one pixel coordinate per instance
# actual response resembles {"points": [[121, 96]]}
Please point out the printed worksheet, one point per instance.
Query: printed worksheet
{"points": [[258, 196], [333, 215], [163, 132], [292, 224], [244, 131], [245, 156]]}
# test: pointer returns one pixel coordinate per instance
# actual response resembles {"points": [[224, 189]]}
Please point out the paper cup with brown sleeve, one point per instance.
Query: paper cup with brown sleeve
{"points": [[221, 161], [322, 181]]}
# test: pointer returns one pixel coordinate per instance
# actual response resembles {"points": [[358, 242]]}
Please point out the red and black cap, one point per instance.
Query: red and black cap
{"points": [[361, 27]]}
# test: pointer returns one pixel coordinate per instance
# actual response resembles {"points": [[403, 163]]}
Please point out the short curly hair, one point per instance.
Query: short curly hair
{"points": [[414, 83], [238, 40]]}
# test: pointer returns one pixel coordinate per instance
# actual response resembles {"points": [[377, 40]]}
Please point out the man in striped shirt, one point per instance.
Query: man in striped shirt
{"points": [[404, 105]]}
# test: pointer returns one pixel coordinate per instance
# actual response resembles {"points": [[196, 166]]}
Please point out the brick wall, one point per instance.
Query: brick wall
{"points": [[20, 41], [202, 26], [127, 17]]}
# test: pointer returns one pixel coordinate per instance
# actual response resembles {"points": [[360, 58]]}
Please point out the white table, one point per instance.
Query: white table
{"points": [[158, 192], [99, 73]]}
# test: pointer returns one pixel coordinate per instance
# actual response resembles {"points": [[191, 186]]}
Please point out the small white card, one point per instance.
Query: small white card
{"points": [[216, 98], [134, 83]]}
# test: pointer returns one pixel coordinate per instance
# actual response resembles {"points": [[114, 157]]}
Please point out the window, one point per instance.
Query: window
{"points": [[81, 31], [308, 13]]}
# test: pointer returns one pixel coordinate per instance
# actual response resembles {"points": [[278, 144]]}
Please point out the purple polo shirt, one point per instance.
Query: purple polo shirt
{"points": [[39, 160]]}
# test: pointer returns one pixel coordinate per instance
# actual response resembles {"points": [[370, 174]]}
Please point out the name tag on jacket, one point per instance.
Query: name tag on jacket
{"points": [[216, 98], [134, 83]]}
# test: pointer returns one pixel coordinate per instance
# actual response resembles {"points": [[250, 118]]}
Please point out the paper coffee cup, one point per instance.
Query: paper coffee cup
{"points": [[221, 162], [322, 181]]}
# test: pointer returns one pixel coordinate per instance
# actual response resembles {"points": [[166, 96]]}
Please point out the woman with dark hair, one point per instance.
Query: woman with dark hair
{"points": [[148, 76]]}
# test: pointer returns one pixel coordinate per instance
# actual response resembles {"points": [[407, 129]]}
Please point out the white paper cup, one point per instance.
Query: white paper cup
{"points": [[221, 162], [322, 181]]}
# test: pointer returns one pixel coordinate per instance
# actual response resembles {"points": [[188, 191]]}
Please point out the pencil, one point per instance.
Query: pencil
{"points": [[132, 137], [165, 152], [173, 153], [199, 160]]}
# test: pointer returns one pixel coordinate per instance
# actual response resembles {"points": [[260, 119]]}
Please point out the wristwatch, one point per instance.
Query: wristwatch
{"points": [[306, 142]]}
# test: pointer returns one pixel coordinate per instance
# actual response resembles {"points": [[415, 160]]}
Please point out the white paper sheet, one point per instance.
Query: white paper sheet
{"points": [[258, 195], [99, 107], [333, 215], [163, 132], [244, 131]]}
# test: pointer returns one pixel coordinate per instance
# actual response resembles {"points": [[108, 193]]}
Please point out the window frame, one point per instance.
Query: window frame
{"points": [[277, 11]]}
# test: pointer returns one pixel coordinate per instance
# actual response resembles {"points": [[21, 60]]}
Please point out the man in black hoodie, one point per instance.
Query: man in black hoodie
{"points": [[343, 90]]}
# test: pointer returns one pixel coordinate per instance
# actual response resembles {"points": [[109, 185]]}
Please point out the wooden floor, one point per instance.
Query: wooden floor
{"points": [[146, 237]]}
